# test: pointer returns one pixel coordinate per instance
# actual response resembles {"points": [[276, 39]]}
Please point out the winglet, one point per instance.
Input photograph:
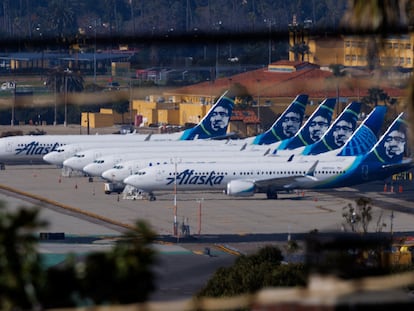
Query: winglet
{"points": [[148, 137], [311, 171]]}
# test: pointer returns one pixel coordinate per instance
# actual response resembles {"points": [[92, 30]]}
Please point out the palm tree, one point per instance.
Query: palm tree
{"points": [[300, 49]]}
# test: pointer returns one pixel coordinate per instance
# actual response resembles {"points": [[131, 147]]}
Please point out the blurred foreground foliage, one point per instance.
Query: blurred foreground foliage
{"points": [[120, 276]]}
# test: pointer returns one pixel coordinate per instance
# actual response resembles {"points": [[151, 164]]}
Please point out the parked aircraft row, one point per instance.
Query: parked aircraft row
{"points": [[270, 176], [105, 162], [363, 139], [282, 158], [154, 172]]}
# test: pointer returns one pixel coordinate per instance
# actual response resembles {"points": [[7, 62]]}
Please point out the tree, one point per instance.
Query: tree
{"points": [[25, 285], [21, 275], [300, 49], [357, 218], [121, 107], [376, 96], [254, 272]]}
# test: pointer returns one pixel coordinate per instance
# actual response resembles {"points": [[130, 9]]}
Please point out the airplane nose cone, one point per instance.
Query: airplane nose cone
{"points": [[130, 180], [89, 169], [52, 158], [107, 175], [70, 163], [48, 157]]}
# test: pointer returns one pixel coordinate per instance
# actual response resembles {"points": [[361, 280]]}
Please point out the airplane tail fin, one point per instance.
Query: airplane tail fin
{"points": [[276, 132], [215, 122], [391, 147], [339, 131], [313, 129], [366, 135]]}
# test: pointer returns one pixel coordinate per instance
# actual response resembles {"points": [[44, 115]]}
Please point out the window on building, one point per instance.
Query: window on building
{"points": [[408, 46], [401, 60], [409, 60], [395, 46], [347, 44]]}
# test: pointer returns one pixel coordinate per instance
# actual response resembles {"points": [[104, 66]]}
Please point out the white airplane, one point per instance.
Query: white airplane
{"points": [[100, 158], [32, 149], [284, 127], [383, 160], [165, 155]]}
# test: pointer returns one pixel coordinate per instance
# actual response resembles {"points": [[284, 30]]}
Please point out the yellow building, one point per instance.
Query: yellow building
{"points": [[350, 51]]}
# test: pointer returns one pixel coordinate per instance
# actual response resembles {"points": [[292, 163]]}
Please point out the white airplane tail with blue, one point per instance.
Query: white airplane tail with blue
{"points": [[214, 124], [294, 113]]}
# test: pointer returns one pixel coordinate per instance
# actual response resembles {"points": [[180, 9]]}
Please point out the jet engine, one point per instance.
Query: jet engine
{"points": [[240, 188]]}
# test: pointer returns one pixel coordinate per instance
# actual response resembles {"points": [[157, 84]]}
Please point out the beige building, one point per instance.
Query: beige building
{"points": [[351, 51]]}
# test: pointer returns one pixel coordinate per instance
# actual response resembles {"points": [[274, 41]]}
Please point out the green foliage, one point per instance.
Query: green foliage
{"points": [[122, 275], [20, 265], [251, 273], [121, 107]]}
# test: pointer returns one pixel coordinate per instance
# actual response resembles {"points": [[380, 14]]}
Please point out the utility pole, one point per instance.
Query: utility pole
{"points": [[14, 104], [200, 202]]}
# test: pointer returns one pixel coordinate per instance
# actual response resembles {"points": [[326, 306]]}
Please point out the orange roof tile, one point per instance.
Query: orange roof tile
{"points": [[311, 80]]}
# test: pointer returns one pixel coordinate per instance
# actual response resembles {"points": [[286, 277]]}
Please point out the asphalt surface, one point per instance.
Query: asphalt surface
{"points": [[91, 220]]}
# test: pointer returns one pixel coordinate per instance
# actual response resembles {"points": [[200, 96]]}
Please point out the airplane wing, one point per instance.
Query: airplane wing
{"points": [[289, 182]]}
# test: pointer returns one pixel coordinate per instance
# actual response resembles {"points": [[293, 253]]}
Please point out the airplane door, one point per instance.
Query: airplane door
{"points": [[9, 146], [364, 172], [158, 175]]}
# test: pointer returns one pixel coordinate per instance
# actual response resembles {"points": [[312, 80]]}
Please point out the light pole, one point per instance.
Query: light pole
{"points": [[200, 202], [258, 105], [65, 75], [14, 103], [269, 23], [94, 49], [55, 114], [94, 57], [175, 223]]}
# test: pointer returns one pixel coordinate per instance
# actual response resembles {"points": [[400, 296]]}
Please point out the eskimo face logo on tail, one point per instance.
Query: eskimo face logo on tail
{"points": [[219, 118], [188, 177], [291, 123], [394, 144], [35, 148]]}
